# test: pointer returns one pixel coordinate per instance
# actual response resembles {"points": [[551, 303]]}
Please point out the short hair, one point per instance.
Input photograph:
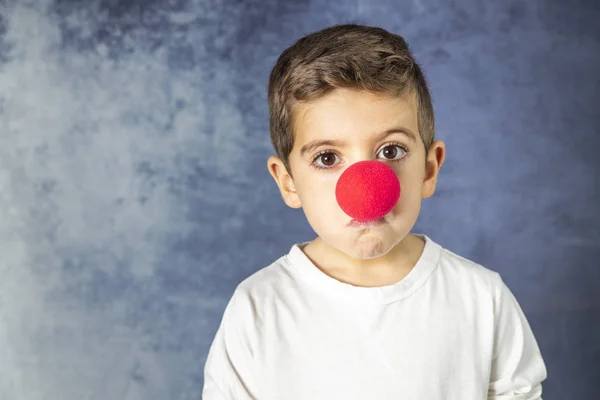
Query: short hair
{"points": [[348, 56]]}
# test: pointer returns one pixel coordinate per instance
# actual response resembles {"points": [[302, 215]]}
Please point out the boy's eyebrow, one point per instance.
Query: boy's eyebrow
{"points": [[310, 146]]}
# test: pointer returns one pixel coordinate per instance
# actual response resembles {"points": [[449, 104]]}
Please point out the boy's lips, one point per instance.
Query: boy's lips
{"points": [[356, 223]]}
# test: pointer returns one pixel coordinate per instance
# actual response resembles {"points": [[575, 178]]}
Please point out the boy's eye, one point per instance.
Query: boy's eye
{"points": [[328, 159], [391, 152]]}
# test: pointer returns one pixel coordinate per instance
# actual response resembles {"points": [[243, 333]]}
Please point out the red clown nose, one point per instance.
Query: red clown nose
{"points": [[367, 190]]}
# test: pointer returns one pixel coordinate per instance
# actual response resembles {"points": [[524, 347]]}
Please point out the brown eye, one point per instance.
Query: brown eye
{"points": [[393, 152], [328, 159], [390, 152]]}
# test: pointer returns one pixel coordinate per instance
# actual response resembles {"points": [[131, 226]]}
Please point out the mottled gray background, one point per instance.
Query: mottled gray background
{"points": [[134, 194]]}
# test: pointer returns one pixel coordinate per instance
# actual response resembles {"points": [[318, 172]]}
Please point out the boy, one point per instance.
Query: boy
{"points": [[365, 311]]}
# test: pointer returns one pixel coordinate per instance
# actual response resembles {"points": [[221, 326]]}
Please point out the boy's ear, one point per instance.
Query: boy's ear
{"points": [[284, 181], [433, 163]]}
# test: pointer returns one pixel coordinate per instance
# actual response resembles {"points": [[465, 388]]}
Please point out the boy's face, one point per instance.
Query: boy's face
{"points": [[357, 122]]}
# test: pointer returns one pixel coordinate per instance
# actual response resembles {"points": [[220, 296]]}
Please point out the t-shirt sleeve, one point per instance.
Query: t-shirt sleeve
{"points": [[517, 368], [228, 372]]}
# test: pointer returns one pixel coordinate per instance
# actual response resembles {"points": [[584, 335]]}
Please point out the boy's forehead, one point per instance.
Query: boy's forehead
{"points": [[348, 115]]}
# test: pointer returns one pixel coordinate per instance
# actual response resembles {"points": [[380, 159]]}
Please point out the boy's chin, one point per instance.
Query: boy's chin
{"points": [[371, 249], [363, 248]]}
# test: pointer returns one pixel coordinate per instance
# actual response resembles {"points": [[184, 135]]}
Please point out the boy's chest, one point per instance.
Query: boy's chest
{"points": [[433, 354]]}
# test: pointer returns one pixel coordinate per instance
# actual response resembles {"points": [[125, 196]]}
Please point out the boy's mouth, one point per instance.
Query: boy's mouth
{"points": [[356, 223]]}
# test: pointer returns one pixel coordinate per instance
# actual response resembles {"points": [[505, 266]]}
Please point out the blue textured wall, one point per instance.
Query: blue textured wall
{"points": [[134, 194]]}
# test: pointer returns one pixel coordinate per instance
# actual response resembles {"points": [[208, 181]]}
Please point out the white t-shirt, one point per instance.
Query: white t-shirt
{"points": [[451, 330]]}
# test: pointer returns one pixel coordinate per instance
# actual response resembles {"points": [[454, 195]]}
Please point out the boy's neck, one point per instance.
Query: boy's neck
{"points": [[384, 271]]}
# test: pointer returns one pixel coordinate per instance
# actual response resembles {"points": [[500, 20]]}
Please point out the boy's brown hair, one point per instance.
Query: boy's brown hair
{"points": [[343, 56]]}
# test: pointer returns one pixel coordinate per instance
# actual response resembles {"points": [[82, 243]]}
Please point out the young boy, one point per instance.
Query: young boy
{"points": [[365, 311]]}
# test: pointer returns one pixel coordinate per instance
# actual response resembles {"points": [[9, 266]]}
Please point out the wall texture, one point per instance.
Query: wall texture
{"points": [[134, 194]]}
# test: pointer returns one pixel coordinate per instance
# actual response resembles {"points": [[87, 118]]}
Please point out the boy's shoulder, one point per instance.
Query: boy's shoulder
{"points": [[459, 267], [274, 277], [247, 303]]}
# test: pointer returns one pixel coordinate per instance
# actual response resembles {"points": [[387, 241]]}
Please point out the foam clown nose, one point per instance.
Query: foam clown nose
{"points": [[367, 190]]}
